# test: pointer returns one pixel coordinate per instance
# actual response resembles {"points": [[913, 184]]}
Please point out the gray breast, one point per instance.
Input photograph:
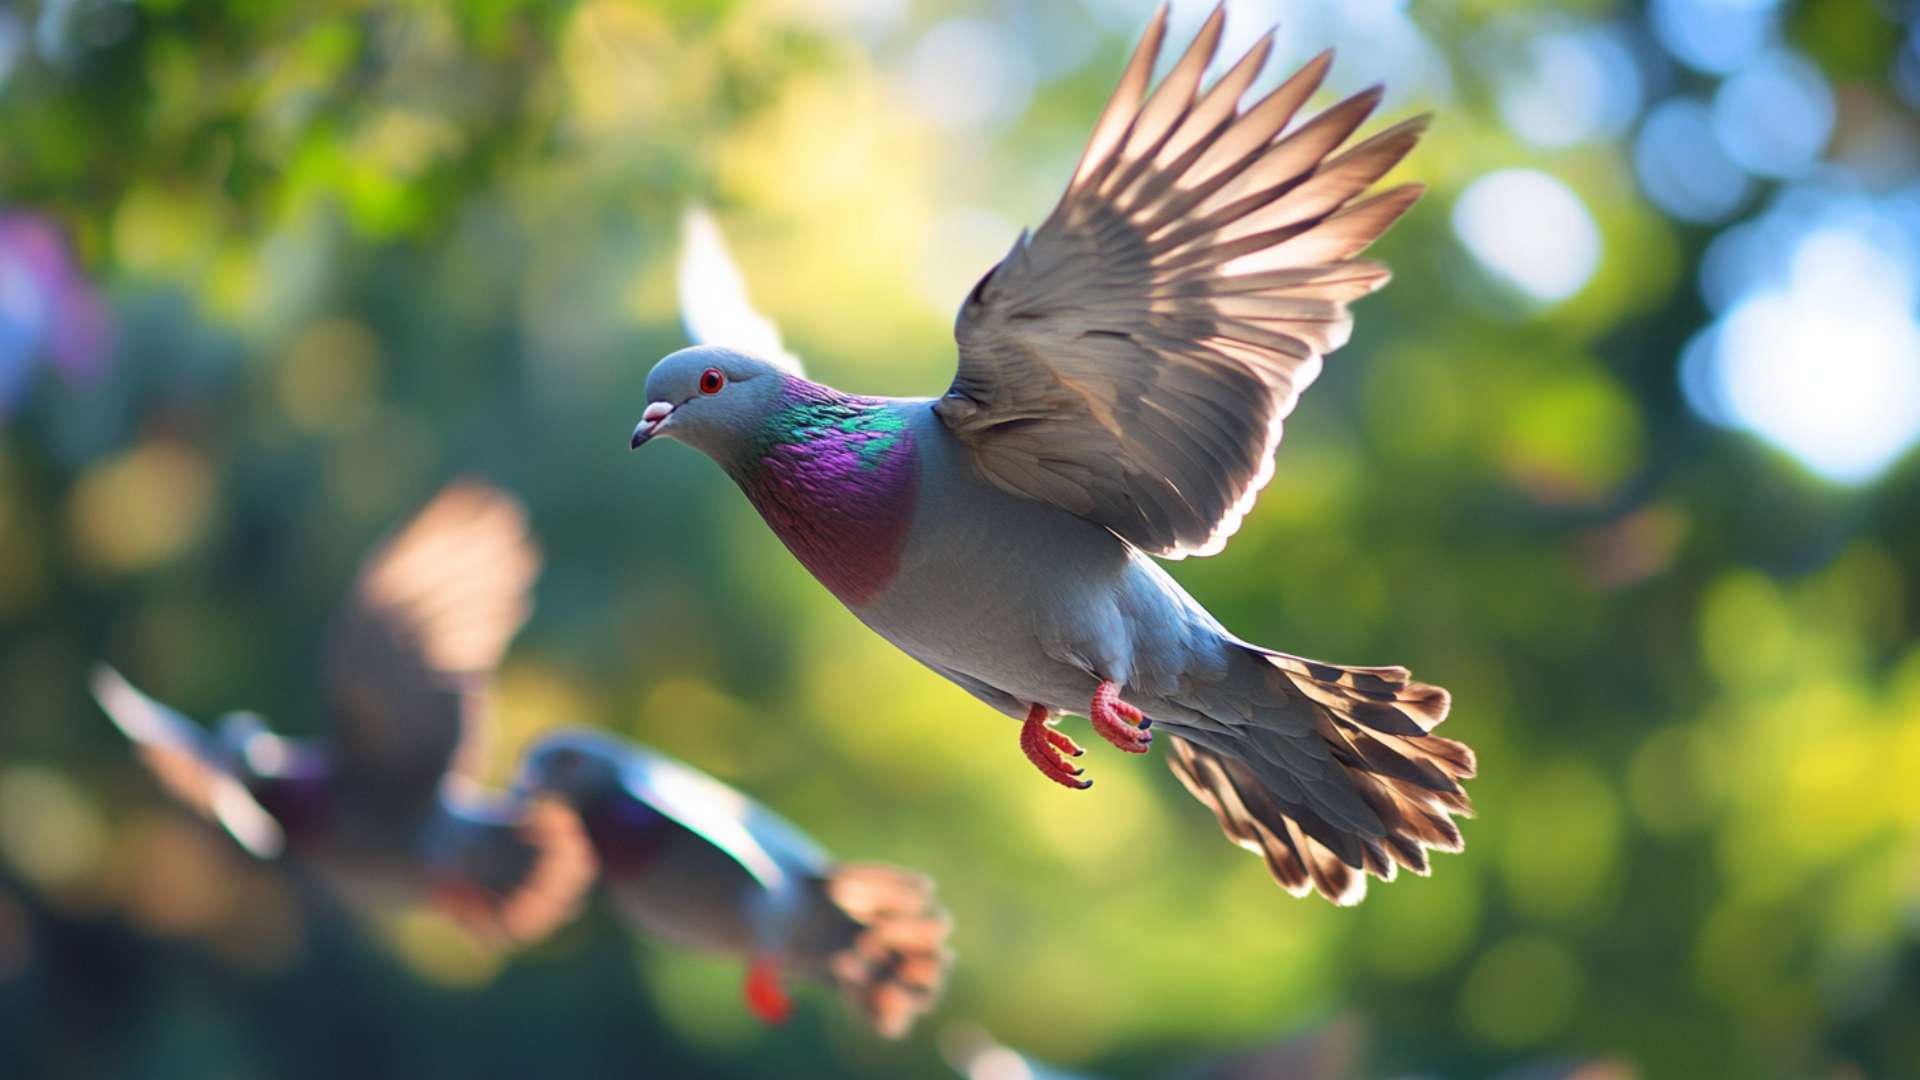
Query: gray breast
{"points": [[1018, 594]]}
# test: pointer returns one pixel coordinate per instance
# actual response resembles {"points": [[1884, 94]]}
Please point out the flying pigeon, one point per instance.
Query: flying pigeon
{"points": [[1122, 379], [379, 807], [695, 862]]}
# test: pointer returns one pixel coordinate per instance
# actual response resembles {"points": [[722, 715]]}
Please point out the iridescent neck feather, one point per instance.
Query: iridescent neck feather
{"points": [[835, 477]]}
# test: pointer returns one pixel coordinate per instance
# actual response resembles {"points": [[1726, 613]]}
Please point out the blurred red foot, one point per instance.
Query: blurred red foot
{"points": [[469, 905], [1043, 746], [765, 997], [1118, 722]]}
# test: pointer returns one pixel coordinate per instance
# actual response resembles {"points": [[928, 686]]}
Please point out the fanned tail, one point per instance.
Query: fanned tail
{"points": [[1332, 774], [894, 968]]}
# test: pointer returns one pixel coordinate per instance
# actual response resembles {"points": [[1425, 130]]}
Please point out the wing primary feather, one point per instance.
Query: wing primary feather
{"points": [[1117, 118], [1342, 235], [1216, 107], [1279, 168], [429, 616], [179, 756], [1242, 142], [1332, 184], [1170, 104], [1132, 360]]}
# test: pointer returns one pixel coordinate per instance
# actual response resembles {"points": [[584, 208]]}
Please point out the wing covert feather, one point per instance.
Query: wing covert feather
{"points": [[1133, 359]]}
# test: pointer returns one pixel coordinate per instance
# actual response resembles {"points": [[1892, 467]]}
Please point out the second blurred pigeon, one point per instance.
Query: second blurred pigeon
{"points": [[378, 807], [694, 861]]}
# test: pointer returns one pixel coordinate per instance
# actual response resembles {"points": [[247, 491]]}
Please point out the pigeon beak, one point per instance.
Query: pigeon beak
{"points": [[650, 422]]}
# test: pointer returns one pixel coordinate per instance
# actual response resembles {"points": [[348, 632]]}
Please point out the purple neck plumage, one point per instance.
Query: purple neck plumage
{"points": [[835, 478]]}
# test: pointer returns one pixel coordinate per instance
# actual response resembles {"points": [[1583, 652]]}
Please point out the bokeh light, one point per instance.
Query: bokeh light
{"points": [[1774, 115], [1378, 41], [13, 42], [1530, 230], [1818, 350], [1682, 165], [869, 16], [51, 831], [968, 74], [1568, 86], [1714, 35], [49, 312]]}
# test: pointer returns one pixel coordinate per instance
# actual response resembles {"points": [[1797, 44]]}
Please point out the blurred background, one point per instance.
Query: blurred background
{"points": [[1621, 458]]}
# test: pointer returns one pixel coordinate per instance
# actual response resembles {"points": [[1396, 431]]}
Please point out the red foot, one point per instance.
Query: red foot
{"points": [[1118, 722], [765, 998], [1044, 745]]}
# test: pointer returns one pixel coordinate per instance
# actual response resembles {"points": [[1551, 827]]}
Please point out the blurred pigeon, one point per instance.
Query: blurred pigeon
{"points": [[379, 807], [692, 860], [1123, 376]]}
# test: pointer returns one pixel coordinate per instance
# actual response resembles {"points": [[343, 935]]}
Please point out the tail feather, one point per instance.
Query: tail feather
{"points": [[1384, 698], [1211, 779], [1330, 773], [894, 968], [1360, 748]]}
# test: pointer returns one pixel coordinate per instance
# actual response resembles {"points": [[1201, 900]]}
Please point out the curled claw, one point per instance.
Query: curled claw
{"points": [[1118, 722], [1043, 746], [1061, 742]]}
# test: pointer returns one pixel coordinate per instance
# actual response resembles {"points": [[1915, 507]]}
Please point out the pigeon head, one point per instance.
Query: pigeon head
{"points": [[710, 397], [580, 767]]}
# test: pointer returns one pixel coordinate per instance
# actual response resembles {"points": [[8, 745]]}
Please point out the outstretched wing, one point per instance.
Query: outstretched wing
{"points": [[427, 621], [761, 841], [178, 754], [1132, 361], [713, 296]]}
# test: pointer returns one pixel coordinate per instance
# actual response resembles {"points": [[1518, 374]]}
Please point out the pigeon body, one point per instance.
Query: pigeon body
{"points": [[1123, 376], [378, 808], [1046, 598], [695, 862]]}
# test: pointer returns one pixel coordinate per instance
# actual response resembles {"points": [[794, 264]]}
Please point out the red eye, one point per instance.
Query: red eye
{"points": [[711, 381]]}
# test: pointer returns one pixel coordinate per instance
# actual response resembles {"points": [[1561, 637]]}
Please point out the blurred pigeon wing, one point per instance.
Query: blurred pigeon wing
{"points": [[176, 751], [428, 619], [509, 871], [713, 296], [762, 842], [1132, 361]]}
